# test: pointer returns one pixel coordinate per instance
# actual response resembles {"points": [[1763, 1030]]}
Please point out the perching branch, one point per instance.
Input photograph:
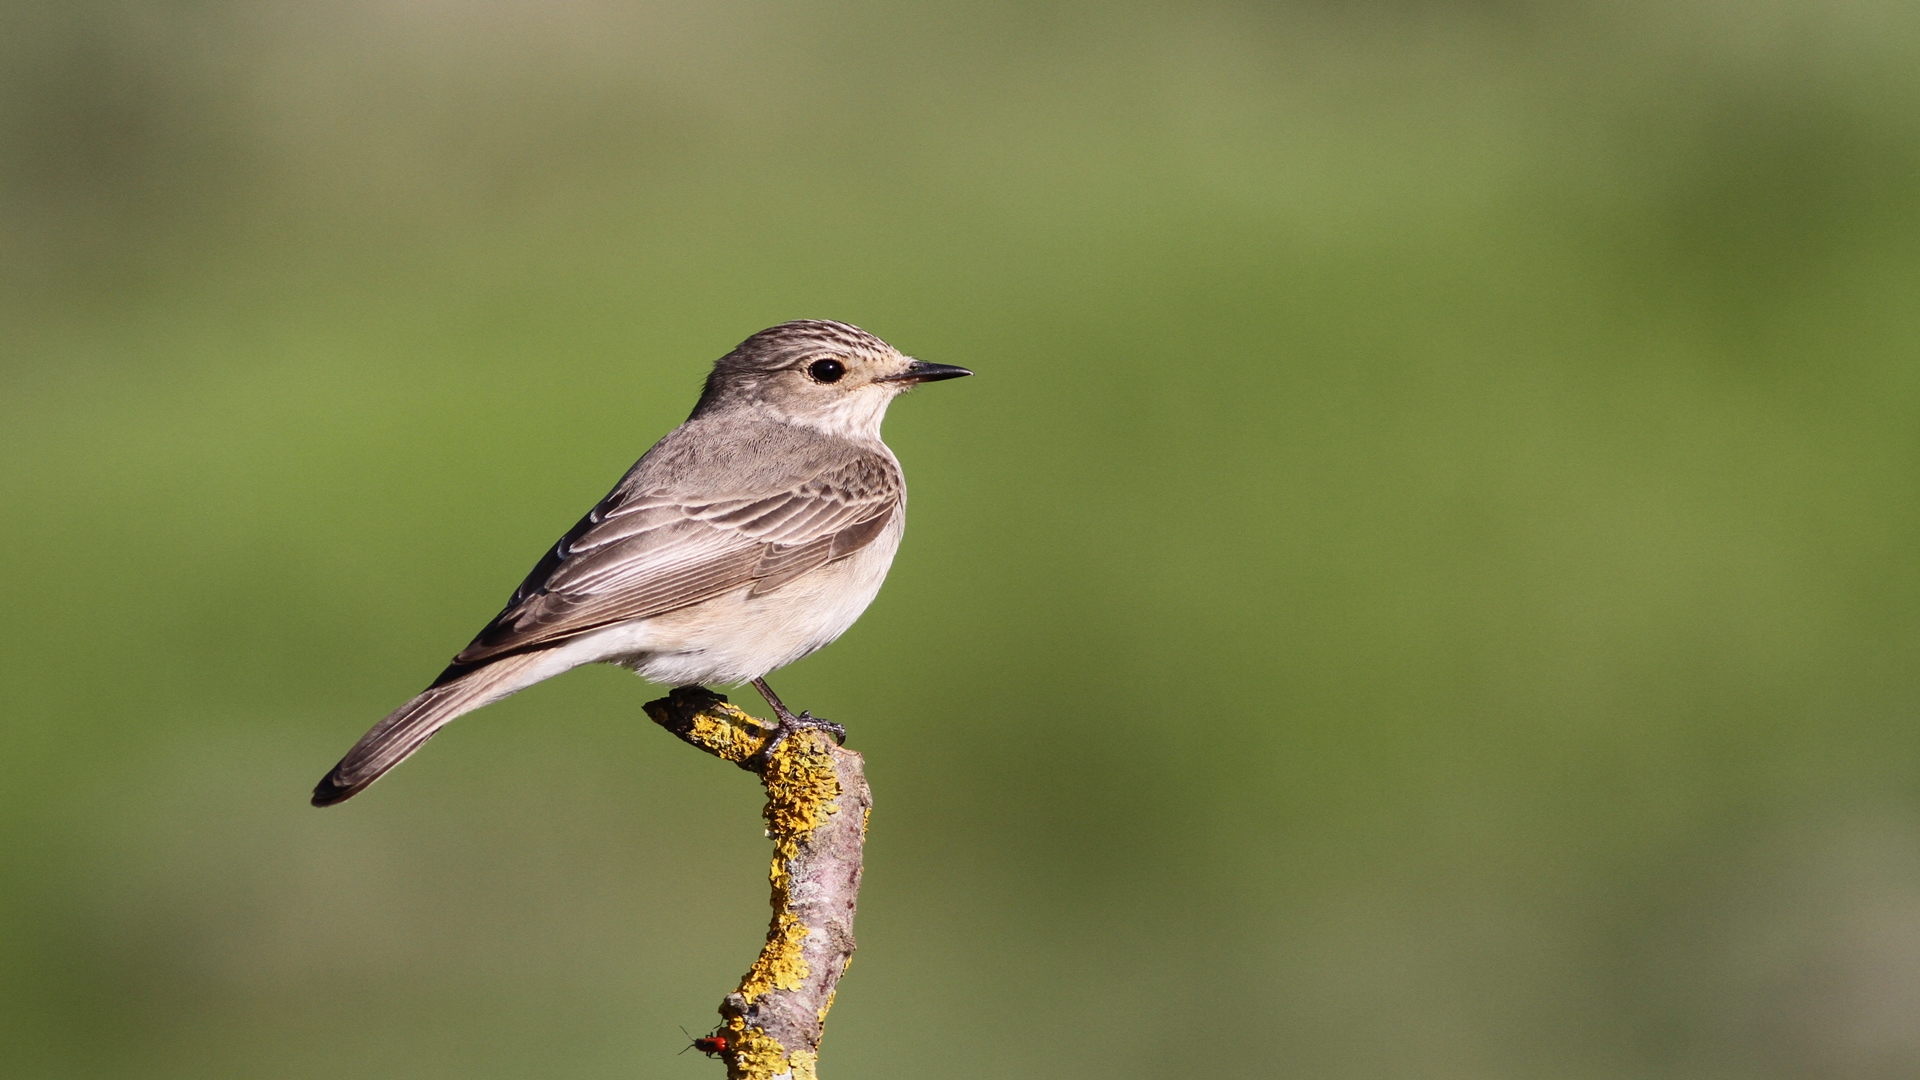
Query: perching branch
{"points": [[817, 807]]}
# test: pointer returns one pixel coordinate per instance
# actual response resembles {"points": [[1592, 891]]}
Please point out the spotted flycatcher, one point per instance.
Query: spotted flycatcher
{"points": [[752, 535]]}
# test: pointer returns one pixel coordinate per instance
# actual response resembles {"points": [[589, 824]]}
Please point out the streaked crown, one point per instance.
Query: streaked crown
{"points": [[793, 343]]}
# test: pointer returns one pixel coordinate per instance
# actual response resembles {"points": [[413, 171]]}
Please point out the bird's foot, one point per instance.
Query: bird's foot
{"points": [[788, 725], [807, 721]]}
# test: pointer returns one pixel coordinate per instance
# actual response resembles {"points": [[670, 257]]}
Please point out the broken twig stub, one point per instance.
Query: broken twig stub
{"points": [[817, 807]]}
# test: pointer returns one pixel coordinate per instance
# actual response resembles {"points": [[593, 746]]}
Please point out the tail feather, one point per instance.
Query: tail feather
{"points": [[408, 728]]}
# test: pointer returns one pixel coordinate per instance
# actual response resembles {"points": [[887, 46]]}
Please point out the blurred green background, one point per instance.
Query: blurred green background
{"points": [[1426, 582]]}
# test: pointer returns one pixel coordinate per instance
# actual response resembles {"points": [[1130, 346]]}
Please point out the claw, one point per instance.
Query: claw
{"points": [[808, 720], [788, 726]]}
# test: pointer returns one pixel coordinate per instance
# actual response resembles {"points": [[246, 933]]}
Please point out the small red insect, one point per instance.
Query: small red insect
{"points": [[712, 1044]]}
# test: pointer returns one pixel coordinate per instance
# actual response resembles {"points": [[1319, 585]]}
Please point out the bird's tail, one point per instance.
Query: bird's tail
{"points": [[407, 728]]}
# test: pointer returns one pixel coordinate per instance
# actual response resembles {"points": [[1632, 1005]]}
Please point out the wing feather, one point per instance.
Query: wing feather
{"points": [[646, 550]]}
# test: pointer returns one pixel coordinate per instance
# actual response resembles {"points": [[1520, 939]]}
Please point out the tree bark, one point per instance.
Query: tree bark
{"points": [[817, 807]]}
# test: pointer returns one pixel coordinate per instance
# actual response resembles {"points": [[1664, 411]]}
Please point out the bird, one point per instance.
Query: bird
{"points": [[752, 535]]}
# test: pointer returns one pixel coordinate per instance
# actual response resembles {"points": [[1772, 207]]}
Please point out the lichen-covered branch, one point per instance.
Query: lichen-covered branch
{"points": [[817, 806]]}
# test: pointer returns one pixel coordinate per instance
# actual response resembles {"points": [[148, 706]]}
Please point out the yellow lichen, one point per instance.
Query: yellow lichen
{"points": [[802, 788], [759, 1056], [802, 1063], [732, 735], [754, 1055], [780, 965]]}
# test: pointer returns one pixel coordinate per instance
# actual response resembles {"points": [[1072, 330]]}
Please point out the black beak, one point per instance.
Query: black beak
{"points": [[919, 371]]}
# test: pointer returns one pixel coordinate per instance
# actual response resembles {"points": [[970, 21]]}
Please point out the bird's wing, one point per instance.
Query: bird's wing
{"points": [[648, 550]]}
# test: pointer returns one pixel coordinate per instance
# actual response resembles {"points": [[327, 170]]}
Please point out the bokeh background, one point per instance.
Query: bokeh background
{"points": [[1426, 582]]}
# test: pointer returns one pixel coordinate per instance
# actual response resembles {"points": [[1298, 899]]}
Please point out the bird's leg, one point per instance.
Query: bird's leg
{"points": [[787, 723], [780, 711]]}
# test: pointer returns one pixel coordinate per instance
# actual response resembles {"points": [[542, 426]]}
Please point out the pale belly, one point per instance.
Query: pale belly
{"points": [[736, 637]]}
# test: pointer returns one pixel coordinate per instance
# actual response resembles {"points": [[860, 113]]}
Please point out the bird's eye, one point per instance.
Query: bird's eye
{"points": [[826, 370]]}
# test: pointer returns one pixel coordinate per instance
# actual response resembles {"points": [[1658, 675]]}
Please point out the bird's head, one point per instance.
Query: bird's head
{"points": [[824, 374]]}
